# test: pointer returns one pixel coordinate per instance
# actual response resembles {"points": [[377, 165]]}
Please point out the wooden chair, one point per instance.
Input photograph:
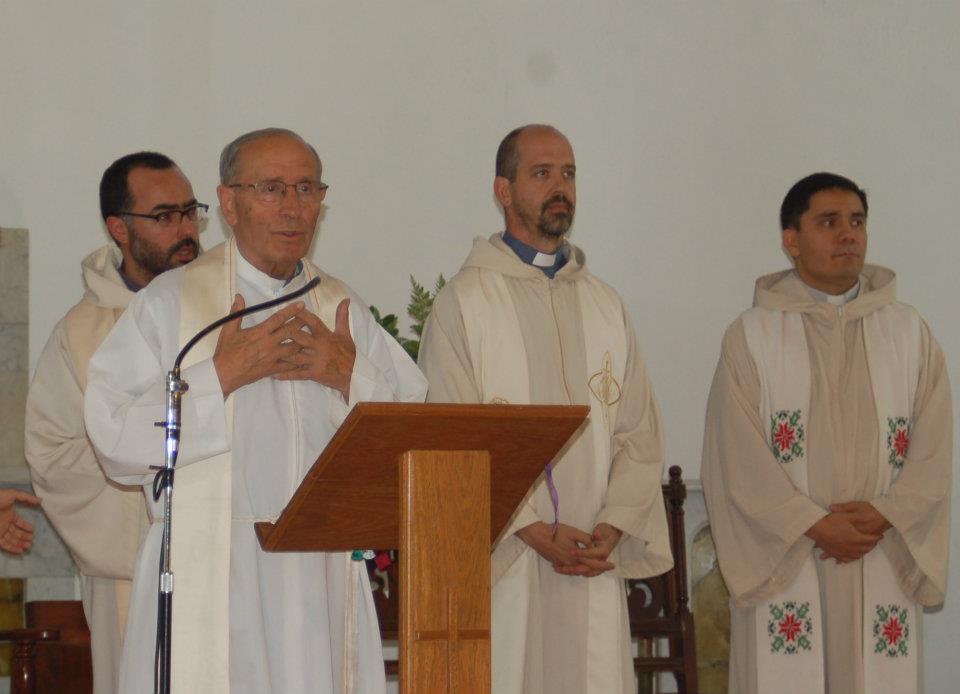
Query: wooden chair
{"points": [[52, 654], [659, 606]]}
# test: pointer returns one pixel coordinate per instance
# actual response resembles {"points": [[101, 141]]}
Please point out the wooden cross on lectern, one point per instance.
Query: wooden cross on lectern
{"points": [[449, 651], [452, 636]]}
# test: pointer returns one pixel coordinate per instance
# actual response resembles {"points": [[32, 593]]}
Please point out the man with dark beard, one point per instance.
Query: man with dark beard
{"points": [[151, 213], [524, 322]]}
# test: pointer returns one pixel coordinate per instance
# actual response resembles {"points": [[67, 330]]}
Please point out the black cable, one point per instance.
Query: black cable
{"points": [[239, 314], [161, 656]]}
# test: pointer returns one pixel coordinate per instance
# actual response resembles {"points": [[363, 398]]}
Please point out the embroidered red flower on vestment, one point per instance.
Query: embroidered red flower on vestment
{"points": [[790, 627], [901, 442], [784, 436], [892, 631]]}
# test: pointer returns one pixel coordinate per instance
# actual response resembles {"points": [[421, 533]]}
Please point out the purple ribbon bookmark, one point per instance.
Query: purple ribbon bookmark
{"points": [[555, 498]]}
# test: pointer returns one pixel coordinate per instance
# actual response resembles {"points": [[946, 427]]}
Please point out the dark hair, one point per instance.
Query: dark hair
{"points": [[231, 153], [508, 153], [797, 200], [115, 194]]}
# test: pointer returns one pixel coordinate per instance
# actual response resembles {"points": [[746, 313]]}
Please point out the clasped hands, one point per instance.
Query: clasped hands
{"points": [[571, 551], [291, 345], [849, 531]]}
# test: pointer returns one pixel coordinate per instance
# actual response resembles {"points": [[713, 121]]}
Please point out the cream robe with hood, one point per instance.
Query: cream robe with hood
{"points": [[100, 521], [759, 519], [563, 620]]}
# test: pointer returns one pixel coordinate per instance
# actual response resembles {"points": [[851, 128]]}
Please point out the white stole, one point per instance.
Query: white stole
{"points": [[499, 359], [789, 638], [202, 504]]}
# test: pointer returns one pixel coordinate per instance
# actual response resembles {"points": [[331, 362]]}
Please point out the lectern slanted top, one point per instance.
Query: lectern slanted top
{"points": [[350, 497]]}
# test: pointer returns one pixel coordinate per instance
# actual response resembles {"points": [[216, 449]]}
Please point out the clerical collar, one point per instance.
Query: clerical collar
{"points": [[834, 299], [296, 273], [268, 284], [549, 263]]}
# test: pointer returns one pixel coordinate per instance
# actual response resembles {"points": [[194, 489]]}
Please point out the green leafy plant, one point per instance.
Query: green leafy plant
{"points": [[421, 301]]}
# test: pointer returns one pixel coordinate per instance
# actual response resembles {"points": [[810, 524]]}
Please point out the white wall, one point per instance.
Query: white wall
{"points": [[689, 120]]}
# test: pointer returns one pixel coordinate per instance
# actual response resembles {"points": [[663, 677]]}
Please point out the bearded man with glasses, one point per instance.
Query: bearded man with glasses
{"points": [[265, 397], [150, 212]]}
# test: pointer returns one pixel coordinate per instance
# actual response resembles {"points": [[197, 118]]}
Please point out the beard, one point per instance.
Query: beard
{"points": [[155, 260], [555, 224]]}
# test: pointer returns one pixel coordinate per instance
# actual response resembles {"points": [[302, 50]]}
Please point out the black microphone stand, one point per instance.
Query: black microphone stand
{"points": [[163, 485]]}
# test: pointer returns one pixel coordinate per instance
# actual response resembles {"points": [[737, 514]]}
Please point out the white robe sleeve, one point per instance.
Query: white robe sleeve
{"points": [[382, 371], [122, 405]]}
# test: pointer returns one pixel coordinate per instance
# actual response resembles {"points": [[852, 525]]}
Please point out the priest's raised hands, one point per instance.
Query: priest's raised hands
{"points": [[324, 356], [245, 355]]}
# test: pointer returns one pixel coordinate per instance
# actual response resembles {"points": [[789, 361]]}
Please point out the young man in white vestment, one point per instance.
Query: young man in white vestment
{"points": [[827, 464], [265, 396], [525, 322], [150, 212]]}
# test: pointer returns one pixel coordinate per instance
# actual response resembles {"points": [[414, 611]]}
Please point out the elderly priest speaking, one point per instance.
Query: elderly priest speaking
{"points": [[265, 397]]}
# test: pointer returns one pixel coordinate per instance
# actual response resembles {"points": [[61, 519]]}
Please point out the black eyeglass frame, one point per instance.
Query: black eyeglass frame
{"points": [[156, 217]]}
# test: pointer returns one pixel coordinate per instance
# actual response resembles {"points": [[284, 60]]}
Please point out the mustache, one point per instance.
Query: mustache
{"points": [[184, 243], [559, 197], [848, 249]]}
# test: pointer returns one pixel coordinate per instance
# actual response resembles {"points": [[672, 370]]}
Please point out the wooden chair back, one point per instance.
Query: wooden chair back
{"points": [[52, 653], [659, 606]]}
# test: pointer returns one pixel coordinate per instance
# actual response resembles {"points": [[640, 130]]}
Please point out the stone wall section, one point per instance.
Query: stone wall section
{"points": [[14, 308]]}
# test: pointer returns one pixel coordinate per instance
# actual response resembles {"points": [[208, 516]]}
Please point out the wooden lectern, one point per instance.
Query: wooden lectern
{"points": [[439, 482]]}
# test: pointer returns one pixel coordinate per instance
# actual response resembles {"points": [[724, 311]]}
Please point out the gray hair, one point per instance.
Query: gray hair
{"points": [[231, 153]]}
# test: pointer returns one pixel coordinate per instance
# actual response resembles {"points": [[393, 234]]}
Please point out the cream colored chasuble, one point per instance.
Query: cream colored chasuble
{"points": [[508, 382], [790, 657]]}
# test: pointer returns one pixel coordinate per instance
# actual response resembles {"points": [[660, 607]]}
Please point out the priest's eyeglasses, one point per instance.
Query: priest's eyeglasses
{"points": [[273, 190], [168, 219]]}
